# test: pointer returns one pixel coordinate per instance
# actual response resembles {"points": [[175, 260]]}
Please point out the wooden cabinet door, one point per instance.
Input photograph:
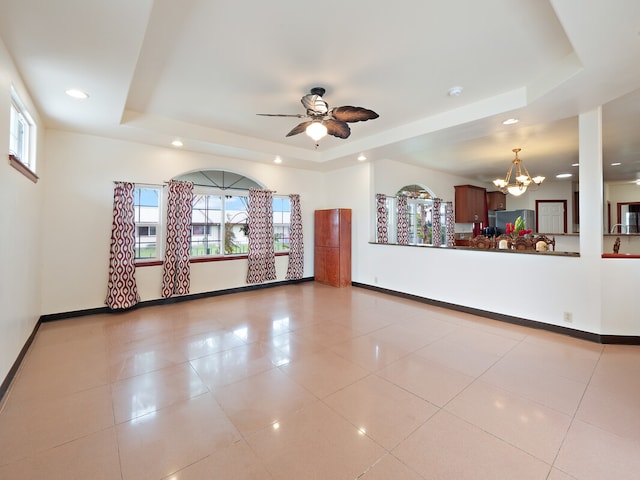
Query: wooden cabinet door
{"points": [[470, 204], [332, 249], [496, 201], [327, 228]]}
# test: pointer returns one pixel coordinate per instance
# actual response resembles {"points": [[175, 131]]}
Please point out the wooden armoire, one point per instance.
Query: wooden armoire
{"points": [[332, 251]]}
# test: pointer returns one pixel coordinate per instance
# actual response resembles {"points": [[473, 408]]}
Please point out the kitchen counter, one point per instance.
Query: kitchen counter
{"points": [[488, 250]]}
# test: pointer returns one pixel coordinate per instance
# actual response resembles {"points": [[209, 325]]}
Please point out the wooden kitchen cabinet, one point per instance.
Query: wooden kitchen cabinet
{"points": [[470, 204], [496, 201], [332, 247]]}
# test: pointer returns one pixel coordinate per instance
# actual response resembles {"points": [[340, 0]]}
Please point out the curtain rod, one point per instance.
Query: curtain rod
{"points": [[139, 183], [165, 182]]}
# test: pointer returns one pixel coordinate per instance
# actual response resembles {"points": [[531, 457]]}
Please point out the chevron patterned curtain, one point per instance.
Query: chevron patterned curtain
{"points": [[382, 219], [262, 257], [436, 223], [176, 268], [295, 268], [403, 220], [122, 291]]}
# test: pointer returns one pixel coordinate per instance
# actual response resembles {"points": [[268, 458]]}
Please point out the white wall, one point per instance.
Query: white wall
{"points": [[78, 214], [549, 190], [20, 230], [616, 193], [350, 188], [535, 287]]}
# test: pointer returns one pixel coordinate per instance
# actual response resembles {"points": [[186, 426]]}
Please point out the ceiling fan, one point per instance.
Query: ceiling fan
{"points": [[324, 120]]}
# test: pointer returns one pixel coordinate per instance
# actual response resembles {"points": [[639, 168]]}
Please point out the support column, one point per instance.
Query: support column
{"points": [[591, 183]]}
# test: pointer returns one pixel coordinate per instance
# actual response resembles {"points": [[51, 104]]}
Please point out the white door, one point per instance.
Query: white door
{"points": [[551, 217]]}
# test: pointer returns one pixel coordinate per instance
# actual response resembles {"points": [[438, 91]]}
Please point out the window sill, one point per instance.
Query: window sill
{"points": [[152, 263], [22, 168]]}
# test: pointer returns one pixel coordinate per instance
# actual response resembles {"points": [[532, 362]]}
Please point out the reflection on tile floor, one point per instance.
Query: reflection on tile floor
{"points": [[312, 382]]}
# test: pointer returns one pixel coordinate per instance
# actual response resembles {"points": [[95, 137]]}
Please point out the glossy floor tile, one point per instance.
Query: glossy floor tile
{"points": [[313, 382]]}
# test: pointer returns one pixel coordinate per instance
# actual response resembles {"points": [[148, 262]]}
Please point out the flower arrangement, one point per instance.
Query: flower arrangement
{"points": [[517, 229]]}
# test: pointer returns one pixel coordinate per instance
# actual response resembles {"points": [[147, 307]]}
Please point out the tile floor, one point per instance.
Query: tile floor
{"points": [[313, 382]]}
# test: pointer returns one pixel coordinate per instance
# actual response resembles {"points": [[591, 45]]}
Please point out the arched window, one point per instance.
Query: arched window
{"points": [[220, 214], [219, 179], [420, 211], [420, 215], [416, 191]]}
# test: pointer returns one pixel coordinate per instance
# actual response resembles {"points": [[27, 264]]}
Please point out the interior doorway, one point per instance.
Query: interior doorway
{"points": [[551, 216]]}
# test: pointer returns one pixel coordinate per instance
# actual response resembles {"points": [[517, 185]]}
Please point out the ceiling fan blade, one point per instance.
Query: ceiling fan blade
{"points": [[301, 127], [295, 115], [337, 128], [353, 114]]}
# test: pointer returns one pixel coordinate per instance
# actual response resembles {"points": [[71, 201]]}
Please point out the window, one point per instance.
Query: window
{"points": [[420, 210], [219, 224], [22, 135], [206, 225], [281, 223], [236, 228], [220, 214], [147, 212]]}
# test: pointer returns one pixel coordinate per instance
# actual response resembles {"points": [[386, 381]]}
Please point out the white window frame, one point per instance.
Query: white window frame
{"points": [[414, 230], [207, 227], [282, 226], [22, 137], [159, 225], [238, 221]]}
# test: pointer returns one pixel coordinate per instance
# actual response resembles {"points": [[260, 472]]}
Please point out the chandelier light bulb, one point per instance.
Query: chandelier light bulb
{"points": [[517, 190]]}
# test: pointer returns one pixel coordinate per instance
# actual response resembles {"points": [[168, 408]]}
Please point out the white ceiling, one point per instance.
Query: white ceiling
{"points": [[200, 70]]}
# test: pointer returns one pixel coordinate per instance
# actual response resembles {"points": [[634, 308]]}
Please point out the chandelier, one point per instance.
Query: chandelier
{"points": [[516, 184]]}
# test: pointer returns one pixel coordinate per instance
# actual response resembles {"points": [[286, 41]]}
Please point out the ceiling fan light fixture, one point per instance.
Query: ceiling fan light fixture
{"points": [[316, 130]]}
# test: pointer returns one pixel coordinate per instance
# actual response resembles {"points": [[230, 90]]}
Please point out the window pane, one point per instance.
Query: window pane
{"points": [[205, 229], [281, 223], [236, 228], [146, 207]]}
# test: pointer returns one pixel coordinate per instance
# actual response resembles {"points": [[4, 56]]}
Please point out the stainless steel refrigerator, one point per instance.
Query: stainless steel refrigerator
{"points": [[631, 222]]}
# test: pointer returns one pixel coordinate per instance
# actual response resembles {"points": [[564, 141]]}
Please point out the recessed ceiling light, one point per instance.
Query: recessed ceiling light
{"points": [[575, 164], [455, 91], [616, 164], [277, 159], [361, 157], [177, 143], [510, 121], [564, 175], [76, 93]]}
